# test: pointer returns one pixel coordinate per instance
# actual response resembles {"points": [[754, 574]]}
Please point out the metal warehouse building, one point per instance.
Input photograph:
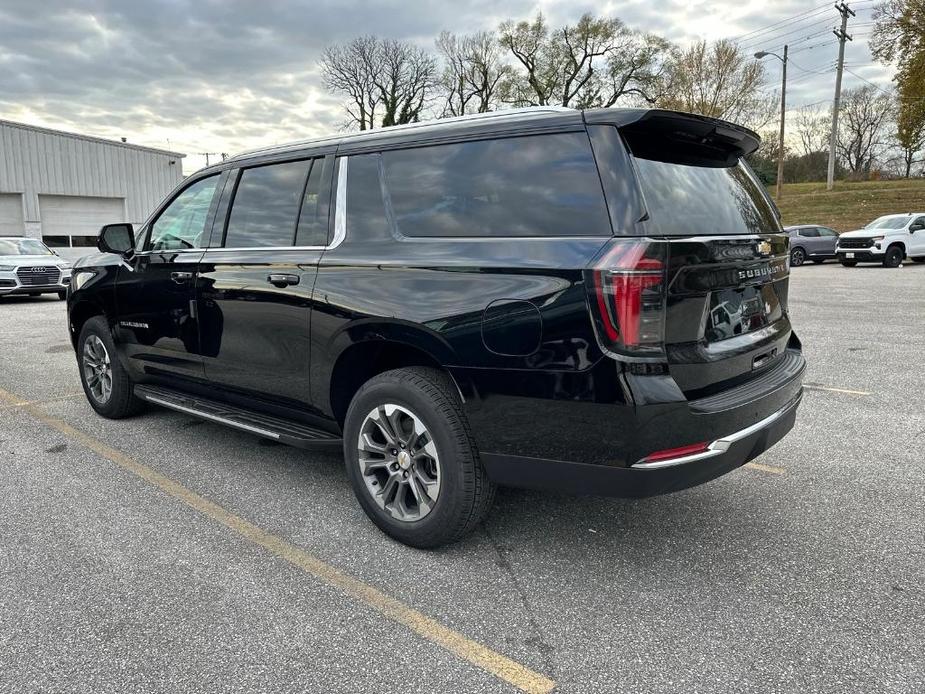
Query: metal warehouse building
{"points": [[62, 187]]}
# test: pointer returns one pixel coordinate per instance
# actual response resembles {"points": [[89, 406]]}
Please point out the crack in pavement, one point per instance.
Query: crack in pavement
{"points": [[538, 640]]}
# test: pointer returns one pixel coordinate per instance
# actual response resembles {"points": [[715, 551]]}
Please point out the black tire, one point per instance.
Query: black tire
{"points": [[797, 257], [849, 263], [121, 401], [465, 492], [893, 257], [62, 296]]}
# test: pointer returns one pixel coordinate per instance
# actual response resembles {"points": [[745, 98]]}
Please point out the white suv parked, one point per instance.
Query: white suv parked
{"points": [[888, 240], [28, 266]]}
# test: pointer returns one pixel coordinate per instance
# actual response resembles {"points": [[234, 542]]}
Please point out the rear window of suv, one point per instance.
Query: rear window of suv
{"points": [[686, 200], [538, 185]]}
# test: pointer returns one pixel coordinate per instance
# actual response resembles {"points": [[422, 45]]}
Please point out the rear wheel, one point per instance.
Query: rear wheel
{"points": [[797, 257], [106, 384], [411, 459], [893, 257]]}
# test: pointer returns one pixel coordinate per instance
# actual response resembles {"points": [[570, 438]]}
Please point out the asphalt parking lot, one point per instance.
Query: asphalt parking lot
{"points": [[163, 554]]}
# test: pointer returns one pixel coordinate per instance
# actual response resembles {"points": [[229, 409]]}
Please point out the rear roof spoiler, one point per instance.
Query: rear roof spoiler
{"points": [[679, 137]]}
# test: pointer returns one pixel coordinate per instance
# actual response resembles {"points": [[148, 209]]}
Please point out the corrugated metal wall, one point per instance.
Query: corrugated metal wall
{"points": [[35, 161]]}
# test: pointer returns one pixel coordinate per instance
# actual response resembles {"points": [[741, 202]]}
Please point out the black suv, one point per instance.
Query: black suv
{"points": [[588, 302]]}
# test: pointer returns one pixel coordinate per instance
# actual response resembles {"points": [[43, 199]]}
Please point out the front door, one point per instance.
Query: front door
{"points": [[916, 244], [155, 291], [255, 283]]}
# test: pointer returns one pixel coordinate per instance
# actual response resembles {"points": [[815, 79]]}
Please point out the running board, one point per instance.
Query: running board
{"points": [[266, 426]]}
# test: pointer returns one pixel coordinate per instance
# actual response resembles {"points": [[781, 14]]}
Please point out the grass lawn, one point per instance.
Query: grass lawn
{"points": [[850, 205]]}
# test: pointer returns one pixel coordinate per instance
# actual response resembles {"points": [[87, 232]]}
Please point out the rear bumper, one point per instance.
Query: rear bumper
{"points": [[641, 479]]}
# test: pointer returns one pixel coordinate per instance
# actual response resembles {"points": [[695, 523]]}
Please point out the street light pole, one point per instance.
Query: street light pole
{"points": [[783, 114]]}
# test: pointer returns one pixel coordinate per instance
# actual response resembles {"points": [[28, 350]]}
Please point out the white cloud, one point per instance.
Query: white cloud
{"points": [[225, 76]]}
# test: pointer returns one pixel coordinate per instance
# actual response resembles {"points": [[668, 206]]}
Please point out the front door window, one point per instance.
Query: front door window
{"points": [[181, 225]]}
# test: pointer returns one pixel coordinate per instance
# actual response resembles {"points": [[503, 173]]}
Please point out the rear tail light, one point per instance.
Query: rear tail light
{"points": [[627, 287]]}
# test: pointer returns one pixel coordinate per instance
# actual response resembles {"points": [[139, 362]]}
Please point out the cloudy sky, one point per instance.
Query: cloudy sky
{"points": [[222, 76]]}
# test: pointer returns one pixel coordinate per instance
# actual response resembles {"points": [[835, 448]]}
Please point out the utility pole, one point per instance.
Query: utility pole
{"points": [[843, 36], [783, 113], [207, 155]]}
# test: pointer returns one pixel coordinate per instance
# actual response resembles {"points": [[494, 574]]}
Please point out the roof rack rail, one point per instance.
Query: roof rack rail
{"points": [[434, 122]]}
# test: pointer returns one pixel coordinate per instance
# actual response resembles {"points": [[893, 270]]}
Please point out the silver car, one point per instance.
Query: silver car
{"points": [[811, 242], [28, 266]]}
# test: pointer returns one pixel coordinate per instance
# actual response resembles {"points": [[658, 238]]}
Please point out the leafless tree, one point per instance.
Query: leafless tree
{"points": [[594, 62], [474, 73], [405, 79], [862, 121], [813, 125], [720, 80], [387, 82], [350, 69]]}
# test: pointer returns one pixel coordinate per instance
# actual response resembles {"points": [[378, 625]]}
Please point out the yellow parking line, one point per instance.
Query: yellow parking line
{"points": [[766, 468], [13, 404], [500, 666], [837, 390]]}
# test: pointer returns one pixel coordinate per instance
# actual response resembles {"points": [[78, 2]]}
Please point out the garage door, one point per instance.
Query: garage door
{"points": [[70, 220], [11, 215]]}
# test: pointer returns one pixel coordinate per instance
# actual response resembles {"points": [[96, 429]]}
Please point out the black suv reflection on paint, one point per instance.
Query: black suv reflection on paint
{"points": [[587, 302]]}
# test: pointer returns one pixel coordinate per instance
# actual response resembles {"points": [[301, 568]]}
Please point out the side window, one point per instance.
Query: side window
{"points": [[825, 231], [810, 232], [365, 208], [181, 225], [265, 207], [538, 185], [920, 221], [313, 217]]}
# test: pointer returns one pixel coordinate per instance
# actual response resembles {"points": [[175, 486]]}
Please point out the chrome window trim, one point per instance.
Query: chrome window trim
{"points": [[340, 225], [340, 205]]}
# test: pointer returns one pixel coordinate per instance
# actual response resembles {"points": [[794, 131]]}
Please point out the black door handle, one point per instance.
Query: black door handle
{"points": [[282, 280], [181, 277]]}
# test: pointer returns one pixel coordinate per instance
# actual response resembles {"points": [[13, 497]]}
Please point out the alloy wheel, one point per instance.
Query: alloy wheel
{"points": [[97, 369], [399, 462], [797, 257]]}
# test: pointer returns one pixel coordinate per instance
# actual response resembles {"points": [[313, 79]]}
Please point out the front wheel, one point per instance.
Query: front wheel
{"points": [[106, 384], [893, 257], [411, 459], [797, 257]]}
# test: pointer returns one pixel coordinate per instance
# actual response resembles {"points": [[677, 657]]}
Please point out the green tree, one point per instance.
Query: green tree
{"points": [[593, 63], [899, 37]]}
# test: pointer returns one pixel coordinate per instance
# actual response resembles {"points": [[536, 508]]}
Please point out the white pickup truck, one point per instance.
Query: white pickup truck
{"points": [[888, 240]]}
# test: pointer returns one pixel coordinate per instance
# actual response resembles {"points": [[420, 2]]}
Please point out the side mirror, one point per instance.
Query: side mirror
{"points": [[916, 227], [117, 238]]}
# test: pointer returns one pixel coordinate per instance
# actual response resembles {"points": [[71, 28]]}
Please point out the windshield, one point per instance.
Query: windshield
{"points": [[888, 223], [23, 247]]}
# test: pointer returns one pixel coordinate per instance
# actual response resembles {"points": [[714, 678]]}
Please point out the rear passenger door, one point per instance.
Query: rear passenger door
{"points": [[256, 279], [827, 241]]}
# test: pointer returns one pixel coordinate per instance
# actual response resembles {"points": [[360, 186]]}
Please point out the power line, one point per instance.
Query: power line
{"points": [[789, 20]]}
